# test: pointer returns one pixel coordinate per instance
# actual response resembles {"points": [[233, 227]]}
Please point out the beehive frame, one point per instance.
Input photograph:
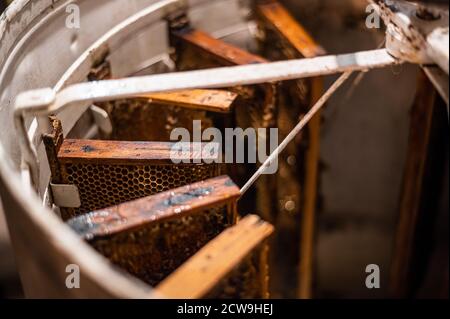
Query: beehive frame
{"points": [[152, 236], [107, 173]]}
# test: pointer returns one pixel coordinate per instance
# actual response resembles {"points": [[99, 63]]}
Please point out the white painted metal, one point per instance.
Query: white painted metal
{"points": [[65, 195], [416, 33], [439, 79], [101, 119]]}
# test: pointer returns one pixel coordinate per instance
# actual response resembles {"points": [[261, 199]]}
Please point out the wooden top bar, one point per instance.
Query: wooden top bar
{"points": [[282, 21], [223, 53], [205, 100], [203, 271], [163, 206], [131, 153]]}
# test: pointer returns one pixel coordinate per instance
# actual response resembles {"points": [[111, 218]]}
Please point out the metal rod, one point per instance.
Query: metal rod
{"points": [[304, 121]]}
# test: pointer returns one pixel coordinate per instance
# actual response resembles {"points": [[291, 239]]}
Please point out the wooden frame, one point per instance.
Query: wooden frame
{"points": [[152, 117], [152, 236], [420, 191], [107, 173], [205, 274], [218, 101], [289, 40]]}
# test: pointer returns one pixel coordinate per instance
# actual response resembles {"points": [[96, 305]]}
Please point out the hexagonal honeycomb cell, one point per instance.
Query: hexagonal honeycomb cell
{"points": [[102, 186]]}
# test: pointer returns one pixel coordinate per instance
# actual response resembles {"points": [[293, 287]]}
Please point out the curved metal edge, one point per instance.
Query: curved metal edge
{"points": [[75, 249], [112, 40], [109, 41], [71, 246]]}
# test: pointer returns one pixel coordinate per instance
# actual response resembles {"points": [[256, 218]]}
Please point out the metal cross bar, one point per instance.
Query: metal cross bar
{"points": [[415, 33], [46, 101]]}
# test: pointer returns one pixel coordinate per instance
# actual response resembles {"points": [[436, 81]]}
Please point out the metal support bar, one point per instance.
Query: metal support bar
{"points": [[47, 101]]}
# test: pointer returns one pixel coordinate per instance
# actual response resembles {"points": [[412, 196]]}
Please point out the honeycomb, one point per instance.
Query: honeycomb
{"points": [[103, 185], [154, 251], [248, 280], [136, 120], [140, 120]]}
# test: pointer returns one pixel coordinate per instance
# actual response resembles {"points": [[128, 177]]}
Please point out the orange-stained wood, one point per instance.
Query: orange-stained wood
{"points": [[294, 42], [176, 203], [203, 271], [201, 100], [289, 29], [223, 53], [306, 270], [129, 153]]}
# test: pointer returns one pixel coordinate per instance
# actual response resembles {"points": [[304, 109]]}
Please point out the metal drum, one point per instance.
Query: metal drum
{"points": [[38, 46]]}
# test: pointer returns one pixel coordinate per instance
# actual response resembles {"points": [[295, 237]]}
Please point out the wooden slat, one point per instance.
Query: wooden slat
{"points": [[126, 153], [307, 247], [224, 53], [202, 272], [200, 100], [53, 142], [197, 99], [286, 38], [289, 29], [161, 207], [411, 209]]}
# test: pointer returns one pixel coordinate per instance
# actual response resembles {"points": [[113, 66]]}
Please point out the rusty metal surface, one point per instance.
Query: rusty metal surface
{"points": [[53, 142], [32, 30]]}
